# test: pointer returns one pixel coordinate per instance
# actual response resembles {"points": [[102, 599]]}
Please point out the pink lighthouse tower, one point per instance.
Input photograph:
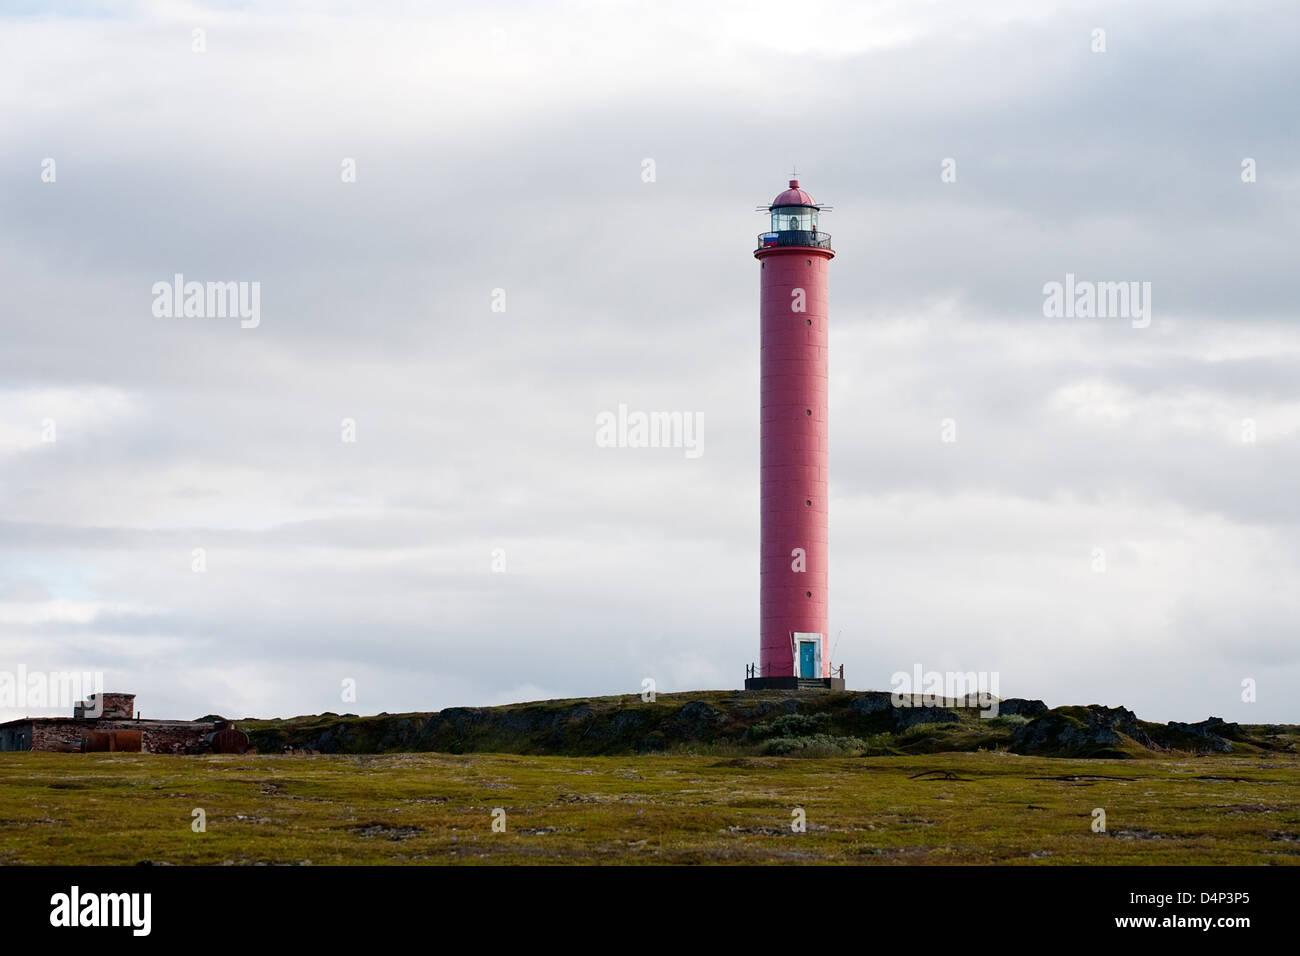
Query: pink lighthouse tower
{"points": [[794, 259]]}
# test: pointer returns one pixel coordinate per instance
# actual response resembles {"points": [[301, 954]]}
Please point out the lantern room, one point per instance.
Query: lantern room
{"points": [[794, 220]]}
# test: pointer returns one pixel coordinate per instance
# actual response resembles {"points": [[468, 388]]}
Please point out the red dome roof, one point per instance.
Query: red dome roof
{"points": [[794, 196]]}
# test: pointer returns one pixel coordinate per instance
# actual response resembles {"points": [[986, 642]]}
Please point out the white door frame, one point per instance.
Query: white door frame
{"points": [[808, 637]]}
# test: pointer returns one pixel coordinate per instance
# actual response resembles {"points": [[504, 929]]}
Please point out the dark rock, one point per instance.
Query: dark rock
{"points": [[1210, 734], [399, 735], [760, 709], [872, 702], [1020, 707], [628, 721], [577, 712], [462, 719], [905, 717], [521, 722], [1092, 731], [695, 721]]}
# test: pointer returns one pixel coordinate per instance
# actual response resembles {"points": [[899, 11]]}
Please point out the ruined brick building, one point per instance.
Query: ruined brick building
{"points": [[109, 722]]}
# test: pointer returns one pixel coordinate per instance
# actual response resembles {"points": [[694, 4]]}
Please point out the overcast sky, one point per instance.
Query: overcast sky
{"points": [[504, 147]]}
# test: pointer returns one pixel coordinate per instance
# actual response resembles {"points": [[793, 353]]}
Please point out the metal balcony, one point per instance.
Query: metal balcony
{"points": [[794, 237]]}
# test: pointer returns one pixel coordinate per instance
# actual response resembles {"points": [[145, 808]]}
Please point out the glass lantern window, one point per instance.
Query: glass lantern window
{"points": [[794, 219]]}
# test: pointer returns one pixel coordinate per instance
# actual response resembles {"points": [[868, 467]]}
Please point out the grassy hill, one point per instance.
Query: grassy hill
{"points": [[768, 723]]}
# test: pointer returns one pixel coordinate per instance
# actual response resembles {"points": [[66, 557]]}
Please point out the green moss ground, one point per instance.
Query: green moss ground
{"points": [[676, 808]]}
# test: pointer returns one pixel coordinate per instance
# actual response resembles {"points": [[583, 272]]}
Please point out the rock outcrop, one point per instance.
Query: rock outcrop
{"points": [[865, 722]]}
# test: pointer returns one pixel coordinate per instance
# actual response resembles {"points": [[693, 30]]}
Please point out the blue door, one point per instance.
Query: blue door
{"points": [[806, 649]]}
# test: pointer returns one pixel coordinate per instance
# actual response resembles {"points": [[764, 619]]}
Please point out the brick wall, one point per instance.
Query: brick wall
{"points": [[156, 736], [115, 706], [58, 734]]}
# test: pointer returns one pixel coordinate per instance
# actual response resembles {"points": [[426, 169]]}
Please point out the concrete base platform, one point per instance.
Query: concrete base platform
{"points": [[794, 683]]}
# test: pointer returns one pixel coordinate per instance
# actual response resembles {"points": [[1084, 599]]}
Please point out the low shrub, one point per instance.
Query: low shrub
{"points": [[791, 725], [814, 745]]}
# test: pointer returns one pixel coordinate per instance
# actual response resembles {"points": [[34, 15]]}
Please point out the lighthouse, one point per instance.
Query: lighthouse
{"points": [[794, 259]]}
